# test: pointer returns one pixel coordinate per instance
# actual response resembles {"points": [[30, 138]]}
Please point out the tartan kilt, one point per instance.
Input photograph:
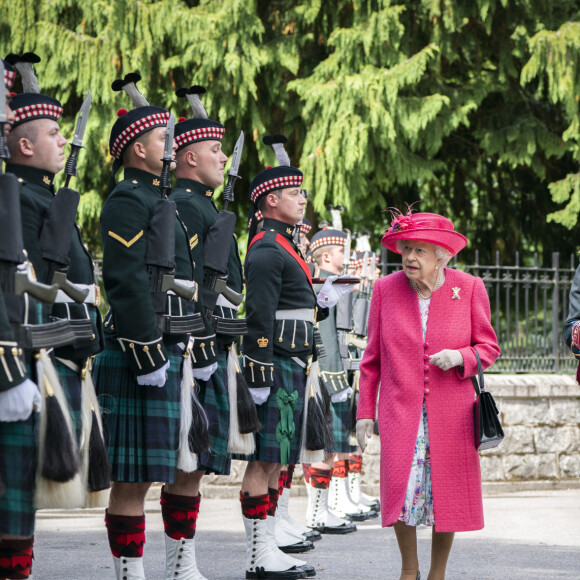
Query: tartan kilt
{"points": [[341, 427], [213, 395], [18, 463], [72, 386], [140, 422], [291, 377]]}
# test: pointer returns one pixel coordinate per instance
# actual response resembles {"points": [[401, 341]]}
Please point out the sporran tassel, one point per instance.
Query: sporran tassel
{"points": [[58, 483], [238, 442], [312, 386], [96, 471], [353, 408], [199, 431], [187, 460]]}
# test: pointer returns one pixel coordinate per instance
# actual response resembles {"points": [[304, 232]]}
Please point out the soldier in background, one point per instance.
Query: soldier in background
{"points": [[330, 476]]}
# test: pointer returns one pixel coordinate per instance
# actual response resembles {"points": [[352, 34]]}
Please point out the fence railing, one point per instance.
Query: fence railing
{"points": [[529, 304]]}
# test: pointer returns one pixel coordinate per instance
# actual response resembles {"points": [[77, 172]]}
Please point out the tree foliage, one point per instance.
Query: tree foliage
{"points": [[470, 107]]}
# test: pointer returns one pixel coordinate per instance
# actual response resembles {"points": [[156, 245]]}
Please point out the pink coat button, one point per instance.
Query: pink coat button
{"points": [[426, 380], [425, 345], [426, 390], [426, 368], [425, 357]]}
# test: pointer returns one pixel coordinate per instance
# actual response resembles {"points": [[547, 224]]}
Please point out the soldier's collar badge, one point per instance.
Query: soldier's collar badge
{"points": [[156, 182], [47, 180], [208, 193], [456, 296]]}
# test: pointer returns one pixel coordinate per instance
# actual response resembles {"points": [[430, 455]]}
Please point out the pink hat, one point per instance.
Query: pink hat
{"points": [[423, 227]]}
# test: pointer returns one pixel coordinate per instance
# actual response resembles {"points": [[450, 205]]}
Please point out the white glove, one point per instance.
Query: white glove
{"points": [[342, 396], [260, 395], [330, 293], [204, 373], [17, 404], [156, 378], [447, 359], [364, 429]]}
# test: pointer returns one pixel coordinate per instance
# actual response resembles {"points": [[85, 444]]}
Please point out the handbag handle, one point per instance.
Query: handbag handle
{"points": [[478, 386]]}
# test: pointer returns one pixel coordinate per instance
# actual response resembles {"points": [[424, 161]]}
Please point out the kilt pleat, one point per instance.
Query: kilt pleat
{"points": [[213, 395], [140, 422], [291, 377], [341, 426], [18, 463], [72, 387]]}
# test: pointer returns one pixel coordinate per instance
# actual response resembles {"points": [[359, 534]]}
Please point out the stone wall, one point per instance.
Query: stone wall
{"points": [[541, 419]]}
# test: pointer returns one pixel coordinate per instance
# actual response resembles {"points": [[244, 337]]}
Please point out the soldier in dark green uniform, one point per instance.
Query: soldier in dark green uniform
{"points": [[281, 310], [328, 247], [138, 374], [200, 169], [37, 155], [19, 398]]}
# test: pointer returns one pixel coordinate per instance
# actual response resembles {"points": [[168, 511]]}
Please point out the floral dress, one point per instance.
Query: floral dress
{"points": [[418, 505]]}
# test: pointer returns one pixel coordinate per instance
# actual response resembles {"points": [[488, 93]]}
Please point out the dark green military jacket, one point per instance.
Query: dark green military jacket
{"points": [[275, 281], [132, 320], [331, 366], [198, 212], [12, 370], [37, 194]]}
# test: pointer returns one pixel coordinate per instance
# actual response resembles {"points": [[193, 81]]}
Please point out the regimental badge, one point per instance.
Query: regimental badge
{"points": [[263, 342], [46, 180], [208, 193], [288, 231], [156, 182], [456, 296]]}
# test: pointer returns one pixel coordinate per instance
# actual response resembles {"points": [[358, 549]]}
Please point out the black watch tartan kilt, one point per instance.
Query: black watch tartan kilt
{"points": [[72, 386], [18, 464], [213, 395], [341, 427], [140, 422], [291, 377]]}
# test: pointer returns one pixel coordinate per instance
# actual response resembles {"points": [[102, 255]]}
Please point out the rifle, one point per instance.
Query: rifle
{"points": [[216, 245]]}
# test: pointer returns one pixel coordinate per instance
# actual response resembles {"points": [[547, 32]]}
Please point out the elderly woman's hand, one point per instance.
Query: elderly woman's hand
{"points": [[364, 429], [446, 359]]}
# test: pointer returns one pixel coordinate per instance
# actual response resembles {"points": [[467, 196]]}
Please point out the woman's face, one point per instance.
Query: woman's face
{"points": [[420, 261]]}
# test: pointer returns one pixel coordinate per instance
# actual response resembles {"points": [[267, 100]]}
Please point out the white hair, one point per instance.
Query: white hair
{"points": [[441, 253]]}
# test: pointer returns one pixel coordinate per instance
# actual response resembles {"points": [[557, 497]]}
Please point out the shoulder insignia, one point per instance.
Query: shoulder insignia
{"points": [[193, 241], [156, 182], [126, 243], [263, 342]]}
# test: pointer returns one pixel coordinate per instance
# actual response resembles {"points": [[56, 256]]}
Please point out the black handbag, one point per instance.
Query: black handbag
{"points": [[488, 429]]}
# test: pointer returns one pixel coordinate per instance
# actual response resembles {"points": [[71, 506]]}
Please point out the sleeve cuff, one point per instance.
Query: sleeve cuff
{"points": [[257, 374], [144, 357]]}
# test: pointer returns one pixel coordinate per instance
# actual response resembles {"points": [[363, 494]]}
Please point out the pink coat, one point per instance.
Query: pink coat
{"points": [[397, 358]]}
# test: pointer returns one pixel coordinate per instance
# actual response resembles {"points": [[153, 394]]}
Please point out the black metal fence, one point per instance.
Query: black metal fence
{"points": [[529, 304]]}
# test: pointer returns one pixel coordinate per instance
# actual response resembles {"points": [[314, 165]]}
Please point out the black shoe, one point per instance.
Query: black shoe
{"points": [[358, 517], [313, 536], [298, 548], [308, 569], [342, 529], [293, 573]]}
